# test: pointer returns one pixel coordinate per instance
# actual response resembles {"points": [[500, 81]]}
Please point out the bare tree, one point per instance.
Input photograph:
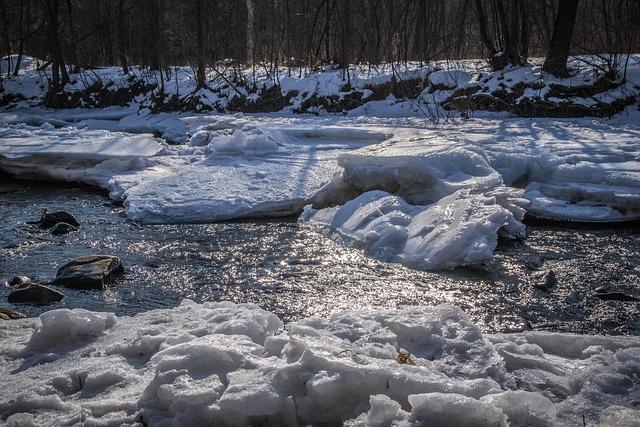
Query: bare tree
{"points": [[59, 75], [560, 47]]}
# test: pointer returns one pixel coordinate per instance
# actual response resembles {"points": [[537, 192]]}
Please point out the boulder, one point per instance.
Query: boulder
{"points": [[34, 293], [19, 280], [62, 228], [51, 217], [89, 272], [543, 280], [8, 314]]}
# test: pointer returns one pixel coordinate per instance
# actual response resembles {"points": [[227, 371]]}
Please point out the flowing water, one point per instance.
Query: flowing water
{"points": [[294, 272]]}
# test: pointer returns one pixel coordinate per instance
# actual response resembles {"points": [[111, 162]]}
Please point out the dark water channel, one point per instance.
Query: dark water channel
{"points": [[295, 272]]}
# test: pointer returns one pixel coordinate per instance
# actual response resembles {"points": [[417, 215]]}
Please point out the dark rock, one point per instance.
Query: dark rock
{"points": [[62, 228], [35, 293], [8, 314], [19, 280], [89, 272], [51, 217], [533, 262], [543, 280], [616, 296]]}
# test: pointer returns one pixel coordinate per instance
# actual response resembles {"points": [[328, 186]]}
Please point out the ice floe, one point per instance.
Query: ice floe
{"points": [[459, 229], [228, 364]]}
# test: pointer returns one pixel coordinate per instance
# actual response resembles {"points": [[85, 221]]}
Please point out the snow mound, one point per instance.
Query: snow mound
{"points": [[228, 364], [450, 78], [459, 229]]}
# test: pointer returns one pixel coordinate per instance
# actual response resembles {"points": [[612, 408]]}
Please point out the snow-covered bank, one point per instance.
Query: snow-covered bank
{"points": [[435, 90], [226, 364]]}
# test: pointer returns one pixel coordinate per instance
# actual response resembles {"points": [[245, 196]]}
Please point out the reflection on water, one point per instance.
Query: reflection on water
{"points": [[294, 272]]}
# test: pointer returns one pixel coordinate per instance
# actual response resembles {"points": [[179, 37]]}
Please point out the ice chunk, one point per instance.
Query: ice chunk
{"points": [[524, 409], [383, 412], [242, 143], [440, 409], [68, 327], [459, 229]]}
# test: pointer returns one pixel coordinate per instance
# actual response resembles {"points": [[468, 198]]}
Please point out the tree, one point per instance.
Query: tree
{"points": [[509, 44], [121, 31], [556, 61], [200, 21], [59, 75]]}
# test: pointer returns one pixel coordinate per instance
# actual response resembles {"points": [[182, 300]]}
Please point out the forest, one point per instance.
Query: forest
{"points": [[311, 33]]}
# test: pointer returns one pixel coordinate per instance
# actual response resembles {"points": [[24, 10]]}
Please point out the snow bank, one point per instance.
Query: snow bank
{"points": [[221, 363]]}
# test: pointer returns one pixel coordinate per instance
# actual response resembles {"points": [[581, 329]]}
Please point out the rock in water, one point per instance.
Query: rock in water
{"points": [[51, 217], [543, 280], [7, 314], [616, 296], [35, 293], [19, 280], [89, 272], [62, 228]]}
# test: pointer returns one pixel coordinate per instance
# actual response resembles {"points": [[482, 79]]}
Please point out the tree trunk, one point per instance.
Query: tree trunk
{"points": [[484, 30], [156, 34], [559, 49], [200, 73], [5, 21], [250, 32], [59, 75], [121, 30]]}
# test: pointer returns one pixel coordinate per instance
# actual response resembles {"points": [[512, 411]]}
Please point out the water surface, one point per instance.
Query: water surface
{"points": [[295, 272]]}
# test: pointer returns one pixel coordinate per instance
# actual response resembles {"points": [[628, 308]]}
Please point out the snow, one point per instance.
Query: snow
{"points": [[216, 363], [27, 64]]}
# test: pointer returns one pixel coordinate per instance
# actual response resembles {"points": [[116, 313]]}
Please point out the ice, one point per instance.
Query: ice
{"points": [[222, 363], [441, 409], [67, 327], [237, 169], [524, 408], [241, 143], [71, 154], [459, 229]]}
